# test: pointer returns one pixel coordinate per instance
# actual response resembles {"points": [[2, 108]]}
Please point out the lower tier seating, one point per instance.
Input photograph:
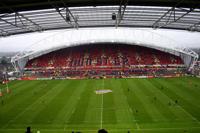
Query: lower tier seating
{"points": [[104, 60]]}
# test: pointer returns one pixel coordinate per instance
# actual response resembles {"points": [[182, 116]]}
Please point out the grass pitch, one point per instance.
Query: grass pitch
{"points": [[136, 105]]}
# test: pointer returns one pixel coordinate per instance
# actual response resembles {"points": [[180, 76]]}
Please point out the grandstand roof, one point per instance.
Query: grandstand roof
{"points": [[24, 16], [24, 5], [120, 35]]}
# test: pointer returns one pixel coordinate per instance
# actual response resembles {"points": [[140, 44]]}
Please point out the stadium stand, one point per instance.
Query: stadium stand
{"points": [[103, 60], [196, 69]]}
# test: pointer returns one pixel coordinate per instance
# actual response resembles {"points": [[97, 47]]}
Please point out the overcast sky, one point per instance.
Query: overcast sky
{"points": [[25, 41]]}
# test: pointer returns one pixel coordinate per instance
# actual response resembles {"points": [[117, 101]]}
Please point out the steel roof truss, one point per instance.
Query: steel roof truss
{"points": [[121, 12], [67, 14], [171, 17]]}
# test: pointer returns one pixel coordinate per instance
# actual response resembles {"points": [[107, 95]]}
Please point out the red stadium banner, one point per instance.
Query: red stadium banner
{"points": [[28, 78]]}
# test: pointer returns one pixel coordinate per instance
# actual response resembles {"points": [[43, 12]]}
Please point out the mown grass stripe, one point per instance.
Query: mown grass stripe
{"points": [[161, 102], [92, 116], [124, 112], [183, 88], [135, 102], [179, 114], [67, 100], [78, 114], [150, 100], [11, 109], [28, 109], [109, 106], [61, 100], [189, 109]]}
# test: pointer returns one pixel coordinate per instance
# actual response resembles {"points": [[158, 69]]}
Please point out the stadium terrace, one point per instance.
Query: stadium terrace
{"points": [[104, 68]]}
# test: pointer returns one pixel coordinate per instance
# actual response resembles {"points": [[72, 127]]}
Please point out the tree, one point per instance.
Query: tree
{"points": [[4, 61]]}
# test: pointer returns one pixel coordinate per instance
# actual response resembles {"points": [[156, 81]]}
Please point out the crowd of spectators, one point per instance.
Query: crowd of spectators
{"points": [[99, 60]]}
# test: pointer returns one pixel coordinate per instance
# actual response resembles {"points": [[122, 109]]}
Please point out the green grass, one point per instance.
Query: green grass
{"points": [[138, 105]]}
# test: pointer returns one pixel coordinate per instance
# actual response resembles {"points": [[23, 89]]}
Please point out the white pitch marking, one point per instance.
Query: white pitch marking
{"points": [[124, 129], [102, 111], [101, 126]]}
